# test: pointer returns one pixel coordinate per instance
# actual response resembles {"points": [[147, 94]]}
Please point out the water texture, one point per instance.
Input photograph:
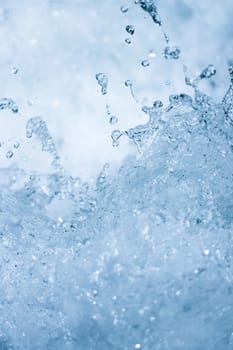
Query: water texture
{"points": [[139, 256]]}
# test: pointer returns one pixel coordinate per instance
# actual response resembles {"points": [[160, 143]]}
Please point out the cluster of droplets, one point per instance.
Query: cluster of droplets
{"points": [[8, 103], [102, 80], [37, 126], [170, 52], [207, 73]]}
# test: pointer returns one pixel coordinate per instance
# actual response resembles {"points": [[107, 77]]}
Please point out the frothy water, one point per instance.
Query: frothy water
{"points": [[140, 258]]}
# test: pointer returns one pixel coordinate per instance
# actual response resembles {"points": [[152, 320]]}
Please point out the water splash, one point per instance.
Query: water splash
{"points": [[139, 259], [37, 126], [150, 7]]}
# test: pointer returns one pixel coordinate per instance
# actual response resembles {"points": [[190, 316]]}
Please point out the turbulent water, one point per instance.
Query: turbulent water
{"points": [[141, 258]]}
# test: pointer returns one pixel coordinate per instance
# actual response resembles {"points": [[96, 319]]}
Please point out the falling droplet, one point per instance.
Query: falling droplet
{"points": [[208, 72], [16, 144], [113, 120], [103, 82], [130, 29], [145, 63], [124, 9], [9, 154], [14, 70], [116, 134], [128, 41], [172, 52]]}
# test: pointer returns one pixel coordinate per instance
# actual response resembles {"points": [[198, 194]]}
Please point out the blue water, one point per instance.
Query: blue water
{"points": [[139, 256]]}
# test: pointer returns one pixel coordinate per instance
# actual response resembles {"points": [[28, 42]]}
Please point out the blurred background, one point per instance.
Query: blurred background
{"points": [[51, 51]]}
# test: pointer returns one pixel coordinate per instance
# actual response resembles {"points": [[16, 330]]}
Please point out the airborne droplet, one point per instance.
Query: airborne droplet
{"points": [[102, 80], [145, 63], [130, 29], [171, 52]]}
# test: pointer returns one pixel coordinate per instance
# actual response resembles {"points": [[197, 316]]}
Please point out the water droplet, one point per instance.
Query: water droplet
{"points": [[37, 126], [151, 9], [158, 104], [128, 41], [172, 52], [116, 134], [152, 54], [124, 9], [102, 80], [14, 70], [130, 29], [30, 102], [16, 144], [128, 83], [206, 252], [9, 154], [145, 63], [8, 103], [113, 120], [208, 72], [182, 98]]}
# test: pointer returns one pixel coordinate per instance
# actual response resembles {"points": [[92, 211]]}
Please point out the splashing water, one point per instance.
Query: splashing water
{"points": [[139, 259]]}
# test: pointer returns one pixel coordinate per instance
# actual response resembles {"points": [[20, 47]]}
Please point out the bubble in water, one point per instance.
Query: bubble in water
{"points": [[14, 70], [172, 52], [8, 103], [208, 72], [102, 80], [9, 154], [128, 41], [124, 9], [145, 63], [130, 29]]}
